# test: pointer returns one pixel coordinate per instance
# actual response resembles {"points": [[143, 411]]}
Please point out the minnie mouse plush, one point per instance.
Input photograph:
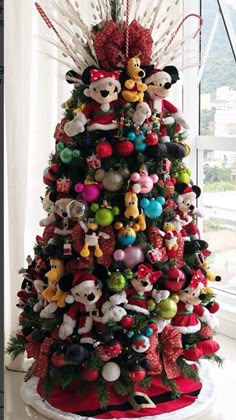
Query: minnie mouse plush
{"points": [[101, 113]]}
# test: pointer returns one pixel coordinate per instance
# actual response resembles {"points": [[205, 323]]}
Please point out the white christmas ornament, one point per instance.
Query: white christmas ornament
{"points": [[111, 371]]}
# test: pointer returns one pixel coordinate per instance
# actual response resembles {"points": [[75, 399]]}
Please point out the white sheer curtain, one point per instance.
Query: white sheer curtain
{"points": [[34, 90]]}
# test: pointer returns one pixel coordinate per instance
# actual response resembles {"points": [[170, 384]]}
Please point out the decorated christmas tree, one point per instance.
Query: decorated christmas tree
{"points": [[115, 304]]}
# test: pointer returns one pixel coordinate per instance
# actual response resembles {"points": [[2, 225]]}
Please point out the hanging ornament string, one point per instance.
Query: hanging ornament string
{"points": [[127, 30], [51, 26], [181, 23]]}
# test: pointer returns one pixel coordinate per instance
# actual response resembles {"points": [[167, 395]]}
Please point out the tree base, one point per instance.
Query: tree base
{"points": [[69, 405]]}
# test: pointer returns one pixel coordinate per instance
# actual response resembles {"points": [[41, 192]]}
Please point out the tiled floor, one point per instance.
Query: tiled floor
{"points": [[222, 409]]}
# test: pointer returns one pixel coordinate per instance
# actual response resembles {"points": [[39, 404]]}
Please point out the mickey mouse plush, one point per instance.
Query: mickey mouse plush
{"points": [[159, 83], [101, 113], [88, 308]]}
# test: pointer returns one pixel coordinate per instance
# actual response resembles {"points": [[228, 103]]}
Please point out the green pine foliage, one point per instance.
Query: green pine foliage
{"points": [[15, 346]]}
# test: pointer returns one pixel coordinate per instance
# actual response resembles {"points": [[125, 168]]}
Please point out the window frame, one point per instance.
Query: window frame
{"points": [[199, 143]]}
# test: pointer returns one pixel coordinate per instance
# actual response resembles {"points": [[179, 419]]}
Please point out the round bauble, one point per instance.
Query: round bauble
{"points": [[151, 304], [66, 155], [112, 181], [104, 217], [104, 149], [127, 322], [58, 359], [140, 343], [76, 209], [166, 309], [111, 371], [126, 236], [119, 255], [89, 374], [124, 148], [116, 282], [77, 353], [114, 348], [133, 255], [136, 373], [175, 279], [151, 139]]}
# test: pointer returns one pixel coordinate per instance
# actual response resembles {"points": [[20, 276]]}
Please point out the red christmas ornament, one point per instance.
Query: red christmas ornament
{"points": [[104, 149], [114, 349], [206, 332], [175, 280], [151, 139], [127, 322], [137, 373], [124, 148], [58, 359], [153, 326], [89, 375]]}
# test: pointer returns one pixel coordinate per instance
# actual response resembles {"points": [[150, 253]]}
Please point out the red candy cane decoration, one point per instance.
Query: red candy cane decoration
{"points": [[127, 30], [181, 23], [51, 26]]}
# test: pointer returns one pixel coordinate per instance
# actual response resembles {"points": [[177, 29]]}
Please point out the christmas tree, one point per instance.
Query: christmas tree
{"points": [[116, 308]]}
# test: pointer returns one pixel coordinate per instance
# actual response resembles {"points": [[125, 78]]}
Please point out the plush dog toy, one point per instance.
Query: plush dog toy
{"points": [[134, 87], [52, 294]]}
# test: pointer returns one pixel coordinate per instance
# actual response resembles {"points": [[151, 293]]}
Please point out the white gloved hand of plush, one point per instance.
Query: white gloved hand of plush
{"points": [[160, 295], [141, 113], [118, 298], [67, 327], [179, 118], [76, 126], [112, 312], [168, 120]]}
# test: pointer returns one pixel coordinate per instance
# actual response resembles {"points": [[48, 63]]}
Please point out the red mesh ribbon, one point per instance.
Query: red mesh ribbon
{"points": [[171, 349], [41, 364], [109, 45]]}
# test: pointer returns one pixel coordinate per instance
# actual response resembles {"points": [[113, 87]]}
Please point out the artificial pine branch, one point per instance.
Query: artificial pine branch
{"points": [[113, 6], [170, 383], [186, 369], [146, 382], [215, 358], [102, 392], [15, 346]]}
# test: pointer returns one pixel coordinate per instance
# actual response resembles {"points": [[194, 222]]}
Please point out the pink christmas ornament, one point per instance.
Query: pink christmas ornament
{"points": [[133, 255]]}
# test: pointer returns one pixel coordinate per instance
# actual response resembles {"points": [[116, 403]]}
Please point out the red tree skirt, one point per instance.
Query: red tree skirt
{"points": [[70, 405], [88, 405]]}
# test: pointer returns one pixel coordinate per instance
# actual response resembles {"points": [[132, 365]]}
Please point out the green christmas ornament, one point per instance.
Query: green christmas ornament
{"points": [[117, 282]]}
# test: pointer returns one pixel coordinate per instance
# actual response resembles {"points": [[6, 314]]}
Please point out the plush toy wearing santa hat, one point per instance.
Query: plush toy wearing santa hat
{"points": [[190, 315], [88, 308], [186, 203], [159, 84]]}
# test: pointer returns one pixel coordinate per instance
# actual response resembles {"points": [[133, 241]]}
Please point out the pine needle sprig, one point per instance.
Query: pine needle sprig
{"points": [[170, 383], [15, 346], [102, 392], [215, 358], [187, 370]]}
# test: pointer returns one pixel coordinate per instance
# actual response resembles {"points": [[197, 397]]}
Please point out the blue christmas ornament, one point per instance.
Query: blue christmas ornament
{"points": [[130, 334], [152, 208], [139, 141], [148, 331]]}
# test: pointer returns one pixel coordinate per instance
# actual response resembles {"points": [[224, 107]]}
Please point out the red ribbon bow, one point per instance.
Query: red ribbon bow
{"points": [[197, 278], [165, 358], [41, 364], [144, 271], [109, 44]]}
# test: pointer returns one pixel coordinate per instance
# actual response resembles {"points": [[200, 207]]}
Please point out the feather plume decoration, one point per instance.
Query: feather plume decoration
{"points": [[86, 31]]}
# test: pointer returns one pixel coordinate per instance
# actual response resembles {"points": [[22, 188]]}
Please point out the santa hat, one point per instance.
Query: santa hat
{"points": [[84, 280], [187, 189], [155, 75], [96, 76]]}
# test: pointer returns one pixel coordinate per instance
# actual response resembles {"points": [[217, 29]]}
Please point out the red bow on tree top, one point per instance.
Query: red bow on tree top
{"points": [[144, 271], [109, 45]]}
